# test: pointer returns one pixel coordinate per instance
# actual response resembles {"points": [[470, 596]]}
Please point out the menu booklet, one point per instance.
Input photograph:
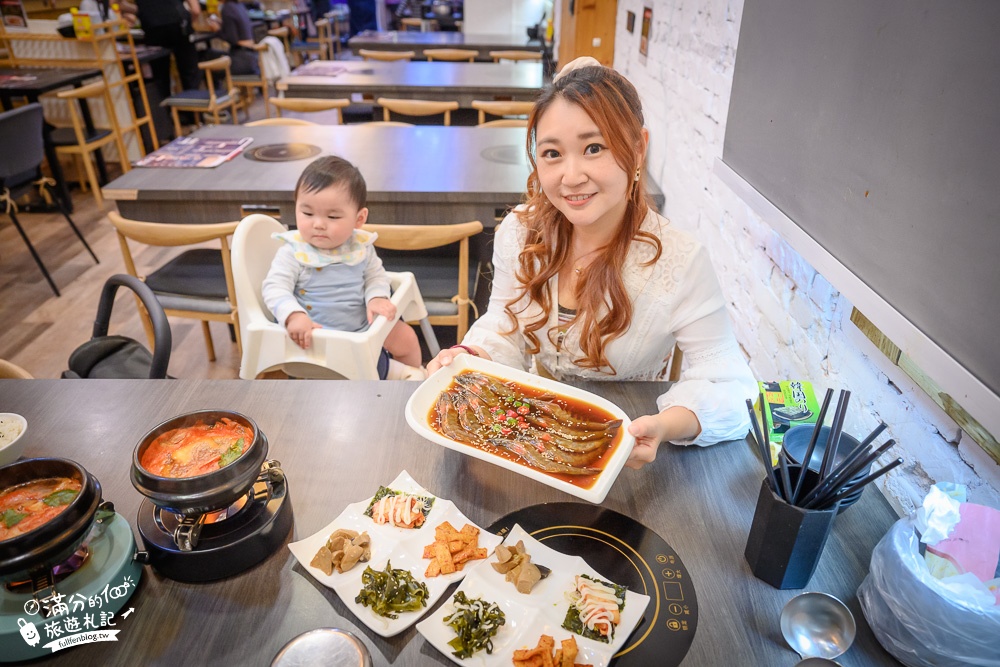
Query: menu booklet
{"points": [[195, 152]]}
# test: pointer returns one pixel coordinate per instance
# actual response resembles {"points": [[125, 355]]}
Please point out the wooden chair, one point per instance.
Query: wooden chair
{"points": [[446, 285], [11, 371], [310, 105], [321, 47], [451, 55], [416, 24], [516, 56], [282, 33], [386, 56], [80, 145], [207, 101], [247, 83], [416, 108], [279, 121], [502, 109], [197, 284]]}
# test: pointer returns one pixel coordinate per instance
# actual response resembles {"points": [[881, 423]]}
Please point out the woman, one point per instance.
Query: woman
{"points": [[594, 284], [236, 29]]}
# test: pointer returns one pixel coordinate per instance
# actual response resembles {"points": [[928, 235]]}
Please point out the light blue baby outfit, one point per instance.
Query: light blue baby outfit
{"points": [[331, 286]]}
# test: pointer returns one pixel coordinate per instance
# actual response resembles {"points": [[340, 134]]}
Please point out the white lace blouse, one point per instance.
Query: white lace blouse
{"points": [[677, 299]]}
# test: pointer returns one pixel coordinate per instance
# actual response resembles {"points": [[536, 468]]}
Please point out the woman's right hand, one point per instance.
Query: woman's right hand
{"points": [[300, 328], [445, 357]]}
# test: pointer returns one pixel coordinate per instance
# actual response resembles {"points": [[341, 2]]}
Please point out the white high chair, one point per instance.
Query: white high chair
{"points": [[266, 344]]}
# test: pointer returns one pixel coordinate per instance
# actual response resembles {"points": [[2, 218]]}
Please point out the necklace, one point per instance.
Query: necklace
{"points": [[577, 269]]}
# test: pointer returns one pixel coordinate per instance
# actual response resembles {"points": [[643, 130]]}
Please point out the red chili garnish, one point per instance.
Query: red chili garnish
{"points": [[545, 436], [511, 414], [505, 431], [523, 410]]}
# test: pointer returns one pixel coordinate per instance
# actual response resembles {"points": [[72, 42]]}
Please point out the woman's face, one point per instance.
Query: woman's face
{"points": [[577, 171]]}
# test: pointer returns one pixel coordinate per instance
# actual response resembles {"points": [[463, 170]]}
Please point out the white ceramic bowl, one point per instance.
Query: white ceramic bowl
{"points": [[424, 398], [11, 449]]}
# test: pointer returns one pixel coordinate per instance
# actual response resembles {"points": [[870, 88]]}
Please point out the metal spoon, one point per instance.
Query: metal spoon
{"points": [[817, 625]]}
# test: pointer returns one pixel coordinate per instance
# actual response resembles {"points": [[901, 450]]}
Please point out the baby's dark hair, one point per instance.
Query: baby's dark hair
{"points": [[332, 170]]}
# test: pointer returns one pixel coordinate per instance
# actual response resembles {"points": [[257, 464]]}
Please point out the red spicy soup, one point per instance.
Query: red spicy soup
{"points": [[27, 506], [563, 437], [196, 450]]}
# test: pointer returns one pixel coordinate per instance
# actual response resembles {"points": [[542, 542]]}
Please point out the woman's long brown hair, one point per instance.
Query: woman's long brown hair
{"points": [[604, 311]]}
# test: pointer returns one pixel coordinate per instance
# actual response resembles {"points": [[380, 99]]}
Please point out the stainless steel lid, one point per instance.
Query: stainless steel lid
{"points": [[324, 647]]}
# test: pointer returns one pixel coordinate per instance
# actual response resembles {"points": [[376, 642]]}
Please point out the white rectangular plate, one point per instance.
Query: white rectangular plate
{"points": [[403, 547], [424, 398], [528, 617]]}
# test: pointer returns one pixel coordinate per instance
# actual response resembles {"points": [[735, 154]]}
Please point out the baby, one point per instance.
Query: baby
{"points": [[327, 275]]}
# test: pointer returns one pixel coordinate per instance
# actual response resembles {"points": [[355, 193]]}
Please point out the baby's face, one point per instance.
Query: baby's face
{"points": [[326, 218]]}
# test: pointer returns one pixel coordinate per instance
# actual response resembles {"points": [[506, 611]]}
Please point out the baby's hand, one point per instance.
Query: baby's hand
{"points": [[381, 306], [300, 328]]}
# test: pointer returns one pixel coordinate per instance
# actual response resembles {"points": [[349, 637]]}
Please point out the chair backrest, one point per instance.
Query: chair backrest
{"points": [[416, 108], [309, 105], [501, 108], [22, 141], [451, 55], [386, 56], [253, 250], [220, 64], [11, 371], [325, 38], [515, 55], [424, 237], [278, 121]]}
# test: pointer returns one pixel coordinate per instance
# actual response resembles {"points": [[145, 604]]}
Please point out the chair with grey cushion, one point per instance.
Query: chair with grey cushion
{"points": [[216, 97], [20, 172], [198, 283], [447, 280]]}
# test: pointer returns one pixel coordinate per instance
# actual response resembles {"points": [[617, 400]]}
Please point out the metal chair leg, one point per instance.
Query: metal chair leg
{"points": [[31, 249], [430, 337], [62, 208]]}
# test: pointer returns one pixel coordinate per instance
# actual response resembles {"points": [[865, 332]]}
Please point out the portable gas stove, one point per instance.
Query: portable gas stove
{"points": [[82, 594], [222, 543]]}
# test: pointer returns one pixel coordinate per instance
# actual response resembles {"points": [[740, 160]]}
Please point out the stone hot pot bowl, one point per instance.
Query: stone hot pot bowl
{"points": [[192, 496], [54, 541]]}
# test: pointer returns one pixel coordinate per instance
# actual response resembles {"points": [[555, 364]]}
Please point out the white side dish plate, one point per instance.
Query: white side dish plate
{"points": [[422, 401], [403, 547], [530, 616]]}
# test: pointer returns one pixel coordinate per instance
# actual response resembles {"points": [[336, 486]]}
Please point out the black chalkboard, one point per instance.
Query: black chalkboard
{"points": [[874, 125]]}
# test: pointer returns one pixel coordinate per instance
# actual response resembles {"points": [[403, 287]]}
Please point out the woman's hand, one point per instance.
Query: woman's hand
{"points": [[445, 357], [300, 328], [381, 306], [674, 423], [648, 432]]}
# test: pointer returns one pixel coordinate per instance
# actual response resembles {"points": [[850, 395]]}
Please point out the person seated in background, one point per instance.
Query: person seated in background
{"points": [[234, 28]]}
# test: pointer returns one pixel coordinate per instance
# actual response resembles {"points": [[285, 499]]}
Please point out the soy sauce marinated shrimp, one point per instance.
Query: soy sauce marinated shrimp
{"points": [[475, 384], [554, 453], [448, 419], [560, 413], [468, 419], [535, 458]]}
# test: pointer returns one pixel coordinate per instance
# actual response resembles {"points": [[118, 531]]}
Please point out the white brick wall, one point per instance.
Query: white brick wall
{"points": [[790, 320]]}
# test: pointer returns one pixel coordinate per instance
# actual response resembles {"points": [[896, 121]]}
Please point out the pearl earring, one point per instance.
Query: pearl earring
{"points": [[637, 172]]}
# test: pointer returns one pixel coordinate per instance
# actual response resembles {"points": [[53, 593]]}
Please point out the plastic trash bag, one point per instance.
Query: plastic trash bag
{"points": [[915, 618]]}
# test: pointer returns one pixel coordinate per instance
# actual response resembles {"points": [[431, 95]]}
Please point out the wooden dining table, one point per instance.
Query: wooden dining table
{"points": [[462, 82], [339, 441], [416, 175], [417, 42]]}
